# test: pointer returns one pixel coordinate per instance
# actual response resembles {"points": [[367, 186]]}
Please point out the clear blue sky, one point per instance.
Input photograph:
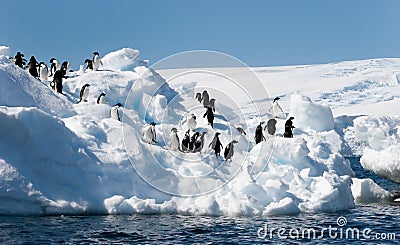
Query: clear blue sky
{"points": [[260, 33]]}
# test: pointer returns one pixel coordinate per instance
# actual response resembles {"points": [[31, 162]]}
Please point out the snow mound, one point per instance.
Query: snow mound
{"points": [[121, 60], [309, 115], [4, 50], [379, 139], [367, 191]]}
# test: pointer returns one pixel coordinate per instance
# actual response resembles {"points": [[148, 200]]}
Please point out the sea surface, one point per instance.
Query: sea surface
{"points": [[367, 223]]}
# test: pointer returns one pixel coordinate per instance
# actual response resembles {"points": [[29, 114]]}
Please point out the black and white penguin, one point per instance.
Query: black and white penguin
{"points": [[57, 81], [216, 144], [212, 104], [193, 140], [228, 153], [210, 116], [199, 143], [101, 99], [259, 133], [96, 61], [149, 133], [198, 97], [276, 109], [32, 67], [89, 64], [114, 112], [66, 66], [241, 130], [190, 122], [174, 140], [186, 141], [205, 99], [19, 60], [83, 95], [54, 66], [288, 128], [43, 71], [271, 126]]}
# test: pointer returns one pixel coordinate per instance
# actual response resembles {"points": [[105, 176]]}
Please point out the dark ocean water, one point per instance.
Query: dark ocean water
{"points": [[367, 223]]}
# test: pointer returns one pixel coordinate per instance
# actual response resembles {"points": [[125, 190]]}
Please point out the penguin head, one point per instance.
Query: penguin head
{"points": [[217, 133], [96, 53], [86, 85], [234, 141], [88, 61], [153, 123], [174, 130], [102, 94], [276, 99], [52, 60], [291, 118], [118, 105]]}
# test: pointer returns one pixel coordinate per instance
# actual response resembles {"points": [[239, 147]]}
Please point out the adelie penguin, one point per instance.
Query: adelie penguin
{"points": [[198, 97], [288, 128], [114, 112], [186, 141], [210, 116], [190, 122], [66, 66], [89, 64], [259, 133], [149, 133], [174, 140], [96, 61], [271, 126], [216, 144], [32, 67], [83, 95], [43, 71], [228, 153], [199, 143], [101, 99], [205, 99], [54, 66]]}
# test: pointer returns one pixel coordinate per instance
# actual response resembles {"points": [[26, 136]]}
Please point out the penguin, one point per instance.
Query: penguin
{"points": [[205, 98], [199, 143], [89, 64], [198, 97], [96, 61], [216, 144], [276, 108], [114, 112], [149, 133], [83, 95], [193, 140], [101, 99], [66, 66], [55, 66], [288, 128], [32, 67], [190, 122], [212, 104], [43, 71], [186, 141], [210, 116], [259, 133], [174, 140], [241, 130], [19, 60], [271, 126], [228, 153], [57, 81]]}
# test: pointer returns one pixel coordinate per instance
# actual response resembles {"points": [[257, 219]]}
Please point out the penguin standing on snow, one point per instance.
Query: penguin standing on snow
{"points": [[174, 140], [199, 143], [259, 133], [32, 67], [114, 112], [19, 60], [96, 61], [205, 99], [186, 141], [228, 153], [101, 99], [66, 66], [190, 122], [83, 95], [198, 97], [89, 64], [193, 140], [276, 108], [43, 71], [57, 81], [271, 126], [216, 144], [210, 116], [212, 104], [55, 66], [149, 133], [288, 128], [241, 130]]}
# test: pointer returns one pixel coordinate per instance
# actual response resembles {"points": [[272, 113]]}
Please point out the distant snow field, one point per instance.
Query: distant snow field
{"points": [[58, 156]]}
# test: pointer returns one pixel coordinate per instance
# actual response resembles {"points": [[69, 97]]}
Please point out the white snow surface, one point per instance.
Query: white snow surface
{"points": [[60, 157]]}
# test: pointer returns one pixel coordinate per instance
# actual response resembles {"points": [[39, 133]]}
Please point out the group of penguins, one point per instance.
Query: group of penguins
{"points": [[41, 72], [193, 141]]}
